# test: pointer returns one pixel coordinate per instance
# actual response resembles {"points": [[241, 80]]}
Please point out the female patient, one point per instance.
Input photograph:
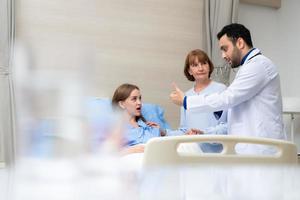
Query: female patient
{"points": [[198, 68], [127, 97]]}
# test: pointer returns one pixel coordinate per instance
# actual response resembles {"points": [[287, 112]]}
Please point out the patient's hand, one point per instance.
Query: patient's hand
{"points": [[194, 131], [153, 124], [139, 148]]}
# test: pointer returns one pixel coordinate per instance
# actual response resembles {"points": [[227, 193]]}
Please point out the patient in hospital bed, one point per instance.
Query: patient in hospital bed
{"points": [[128, 100]]}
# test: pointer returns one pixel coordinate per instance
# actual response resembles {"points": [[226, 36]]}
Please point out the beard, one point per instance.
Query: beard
{"points": [[235, 58]]}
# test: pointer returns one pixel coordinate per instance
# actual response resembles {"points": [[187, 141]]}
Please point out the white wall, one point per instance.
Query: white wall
{"points": [[277, 33], [115, 41]]}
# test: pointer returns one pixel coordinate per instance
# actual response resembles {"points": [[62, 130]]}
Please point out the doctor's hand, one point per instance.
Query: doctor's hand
{"points": [[194, 132], [177, 95]]}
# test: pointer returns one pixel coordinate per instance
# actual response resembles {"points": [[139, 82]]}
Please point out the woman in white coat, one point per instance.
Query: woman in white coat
{"points": [[253, 99]]}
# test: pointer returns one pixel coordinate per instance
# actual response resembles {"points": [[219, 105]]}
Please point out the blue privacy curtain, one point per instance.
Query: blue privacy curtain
{"points": [[7, 135]]}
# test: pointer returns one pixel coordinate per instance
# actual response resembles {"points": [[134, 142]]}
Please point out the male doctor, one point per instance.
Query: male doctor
{"points": [[253, 99]]}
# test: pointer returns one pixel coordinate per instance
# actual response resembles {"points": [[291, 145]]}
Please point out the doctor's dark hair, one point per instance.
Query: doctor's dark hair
{"points": [[235, 31], [192, 57], [121, 94]]}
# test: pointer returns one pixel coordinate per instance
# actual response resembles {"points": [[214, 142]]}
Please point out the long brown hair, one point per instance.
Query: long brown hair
{"points": [[121, 94]]}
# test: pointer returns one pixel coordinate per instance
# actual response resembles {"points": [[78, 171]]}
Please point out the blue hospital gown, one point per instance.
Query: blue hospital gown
{"points": [[141, 134]]}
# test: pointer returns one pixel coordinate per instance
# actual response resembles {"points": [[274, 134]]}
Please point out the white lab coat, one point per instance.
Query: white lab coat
{"points": [[253, 101]]}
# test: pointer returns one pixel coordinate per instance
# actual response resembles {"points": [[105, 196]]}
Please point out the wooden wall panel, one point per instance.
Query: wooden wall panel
{"points": [[269, 3], [115, 41]]}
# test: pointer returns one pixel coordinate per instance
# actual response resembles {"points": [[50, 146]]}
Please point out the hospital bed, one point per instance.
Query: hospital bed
{"points": [[164, 151]]}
